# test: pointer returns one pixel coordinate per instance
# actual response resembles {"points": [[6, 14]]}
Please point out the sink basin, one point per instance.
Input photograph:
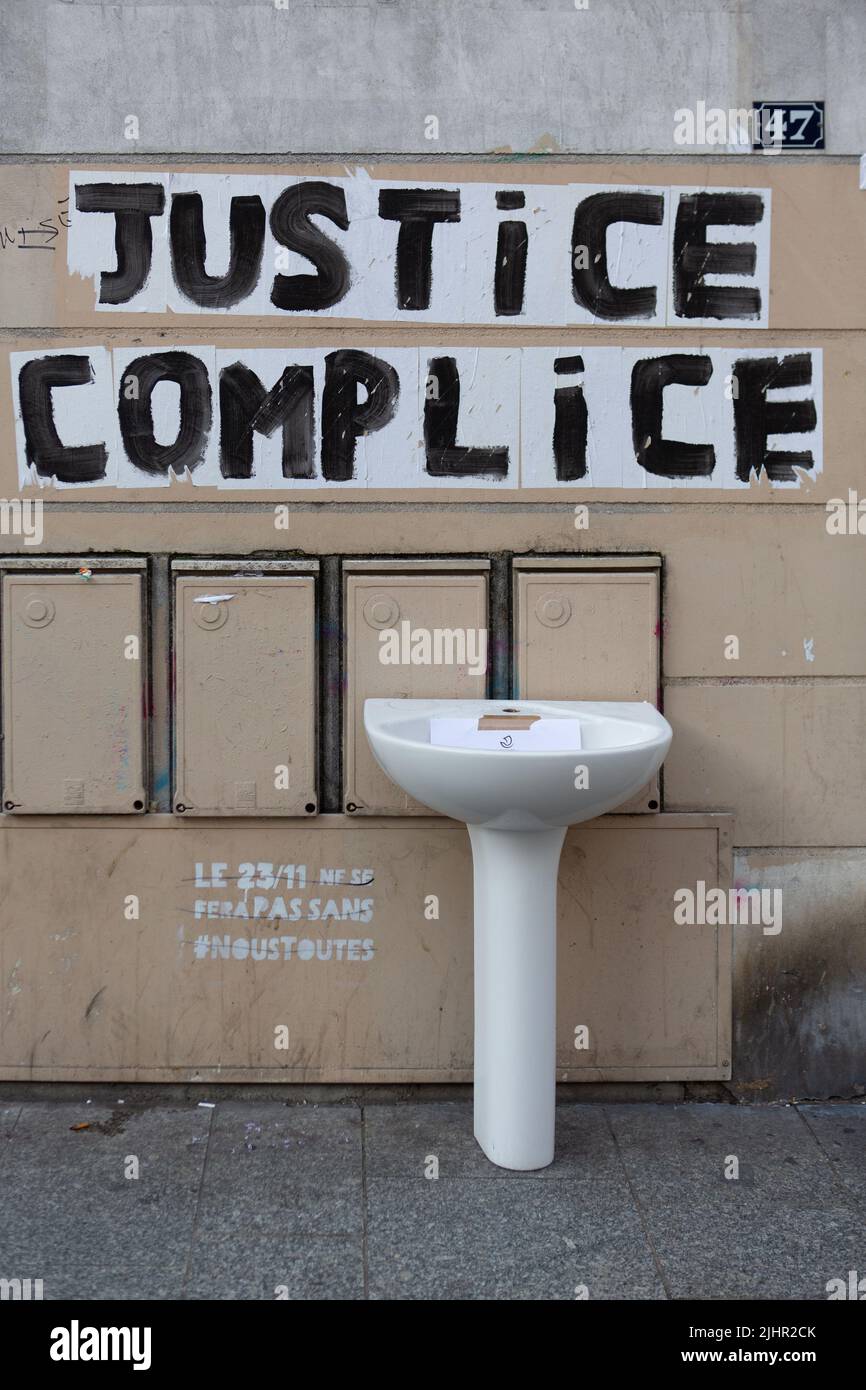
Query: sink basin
{"points": [[517, 802], [622, 747]]}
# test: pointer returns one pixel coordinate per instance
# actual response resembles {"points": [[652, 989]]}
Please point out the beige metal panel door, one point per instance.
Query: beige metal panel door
{"points": [[245, 706], [74, 674], [590, 636], [642, 995], [386, 616], [373, 990]]}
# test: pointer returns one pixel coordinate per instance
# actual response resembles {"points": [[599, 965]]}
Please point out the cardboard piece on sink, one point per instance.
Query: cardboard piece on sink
{"points": [[509, 722], [530, 732]]}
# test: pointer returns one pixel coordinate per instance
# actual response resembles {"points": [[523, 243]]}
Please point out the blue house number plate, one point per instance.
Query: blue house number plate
{"points": [[788, 125]]}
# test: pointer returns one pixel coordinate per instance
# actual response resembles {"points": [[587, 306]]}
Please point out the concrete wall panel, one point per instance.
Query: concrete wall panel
{"points": [[357, 77], [786, 758]]}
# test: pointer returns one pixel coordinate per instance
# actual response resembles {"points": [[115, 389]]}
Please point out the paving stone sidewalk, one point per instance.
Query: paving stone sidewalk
{"points": [[242, 1199]]}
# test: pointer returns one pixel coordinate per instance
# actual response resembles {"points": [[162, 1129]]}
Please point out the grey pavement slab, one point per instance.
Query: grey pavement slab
{"points": [[722, 1154], [8, 1117], [283, 1170], [119, 1273], [73, 1210], [461, 1239], [268, 1200], [401, 1140], [754, 1250], [251, 1265], [840, 1130], [74, 1214], [782, 1228]]}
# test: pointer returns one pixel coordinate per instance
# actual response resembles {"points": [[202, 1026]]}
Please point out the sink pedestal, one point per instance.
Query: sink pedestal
{"points": [[515, 993], [534, 791]]}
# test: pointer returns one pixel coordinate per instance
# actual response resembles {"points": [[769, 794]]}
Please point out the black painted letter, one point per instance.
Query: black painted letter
{"points": [[511, 248], [133, 205], [695, 257], [189, 251], [343, 418], [445, 457], [417, 210], [43, 446], [135, 415], [246, 406], [755, 417], [668, 458], [591, 286], [292, 228], [569, 423]]}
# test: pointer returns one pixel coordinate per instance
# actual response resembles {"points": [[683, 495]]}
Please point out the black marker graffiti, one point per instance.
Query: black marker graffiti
{"points": [[37, 238]]}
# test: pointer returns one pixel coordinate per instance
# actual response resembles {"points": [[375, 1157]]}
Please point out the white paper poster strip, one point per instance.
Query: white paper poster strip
{"points": [[297, 419], [382, 251]]}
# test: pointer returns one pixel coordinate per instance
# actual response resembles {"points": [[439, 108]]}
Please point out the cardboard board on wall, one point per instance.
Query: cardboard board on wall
{"points": [[378, 992], [786, 757], [754, 560]]}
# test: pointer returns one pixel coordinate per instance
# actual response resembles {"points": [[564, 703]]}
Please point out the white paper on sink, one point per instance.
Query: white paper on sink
{"points": [[544, 733]]}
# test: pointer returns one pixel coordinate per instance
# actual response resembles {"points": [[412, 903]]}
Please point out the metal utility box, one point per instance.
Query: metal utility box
{"points": [[74, 688], [245, 695], [449, 605], [589, 630]]}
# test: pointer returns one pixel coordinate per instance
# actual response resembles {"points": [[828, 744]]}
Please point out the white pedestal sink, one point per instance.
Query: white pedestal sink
{"points": [[517, 803]]}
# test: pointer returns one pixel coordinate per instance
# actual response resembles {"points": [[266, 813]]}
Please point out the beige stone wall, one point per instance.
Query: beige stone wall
{"points": [[773, 739]]}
